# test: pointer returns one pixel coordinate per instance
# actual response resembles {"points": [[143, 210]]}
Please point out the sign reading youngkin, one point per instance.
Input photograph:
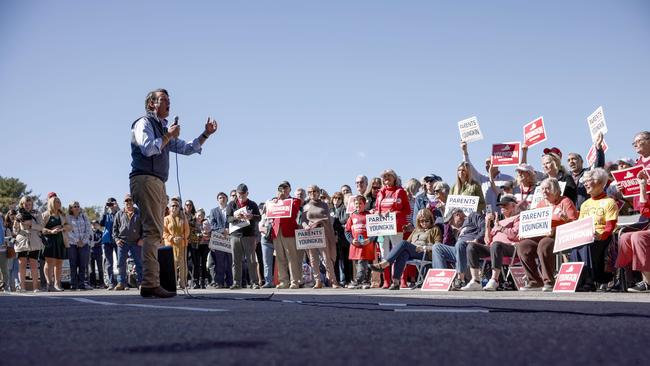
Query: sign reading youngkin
{"points": [[381, 225]]}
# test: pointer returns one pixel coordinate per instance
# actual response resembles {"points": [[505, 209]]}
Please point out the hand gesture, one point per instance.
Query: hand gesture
{"points": [[598, 143], [463, 147], [174, 131], [642, 176], [210, 126]]}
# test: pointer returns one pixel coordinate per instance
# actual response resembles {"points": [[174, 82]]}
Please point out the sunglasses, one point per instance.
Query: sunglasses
{"points": [[375, 187], [174, 206]]}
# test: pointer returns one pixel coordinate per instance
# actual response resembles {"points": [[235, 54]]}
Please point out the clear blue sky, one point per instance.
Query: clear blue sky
{"points": [[309, 91]]}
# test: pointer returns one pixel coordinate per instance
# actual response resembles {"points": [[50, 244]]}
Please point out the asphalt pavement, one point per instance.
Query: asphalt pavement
{"points": [[325, 327]]}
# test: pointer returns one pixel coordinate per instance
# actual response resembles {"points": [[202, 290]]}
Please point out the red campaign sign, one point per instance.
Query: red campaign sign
{"points": [[534, 132], [568, 277], [438, 279], [627, 178], [505, 154], [591, 155], [278, 209], [574, 234], [518, 275]]}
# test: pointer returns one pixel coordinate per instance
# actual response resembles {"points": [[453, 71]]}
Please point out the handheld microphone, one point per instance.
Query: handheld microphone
{"points": [[175, 121]]}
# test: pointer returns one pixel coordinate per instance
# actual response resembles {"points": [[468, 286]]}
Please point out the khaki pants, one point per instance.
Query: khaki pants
{"points": [[149, 195], [329, 256], [288, 256], [180, 264]]}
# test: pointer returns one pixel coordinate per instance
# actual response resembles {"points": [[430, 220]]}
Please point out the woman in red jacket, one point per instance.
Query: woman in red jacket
{"points": [[393, 198]]}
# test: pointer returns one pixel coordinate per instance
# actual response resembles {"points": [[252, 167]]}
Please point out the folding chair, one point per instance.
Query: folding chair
{"points": [[507, 262], [421, 264]]}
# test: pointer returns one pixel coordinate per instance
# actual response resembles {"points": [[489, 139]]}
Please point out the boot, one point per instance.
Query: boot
{"points": [[387, 277]]}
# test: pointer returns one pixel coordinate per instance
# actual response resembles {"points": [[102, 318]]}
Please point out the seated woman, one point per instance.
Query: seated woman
{"points": [[425, 234], [542, 247], [605, 213], [500, 239], [634, 247]]}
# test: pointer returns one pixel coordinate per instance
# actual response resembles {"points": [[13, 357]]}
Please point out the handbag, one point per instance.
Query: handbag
{"points": [[11, 252]]}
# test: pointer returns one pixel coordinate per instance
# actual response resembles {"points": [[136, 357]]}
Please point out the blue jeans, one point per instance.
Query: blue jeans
{"points": [[443, 254], [399, 255], [222, 267], [78, 258], [267, 257], [109, 249], [135, 251]]}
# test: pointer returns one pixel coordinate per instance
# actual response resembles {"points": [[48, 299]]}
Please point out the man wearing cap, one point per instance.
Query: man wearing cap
{"points": [[575, 162], [525, 190], [151, 143], [427, 198], [493, 175], [243, 215], [108, 244], [127, 233], [283, 235]]}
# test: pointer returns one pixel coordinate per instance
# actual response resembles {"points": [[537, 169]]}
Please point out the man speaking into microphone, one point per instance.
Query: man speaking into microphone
{"points": [[151, 142]]}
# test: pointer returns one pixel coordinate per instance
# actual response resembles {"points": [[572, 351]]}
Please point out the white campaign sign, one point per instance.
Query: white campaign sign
{"points": [[596, 122], [310, 238], [468, 204], [220, 243], [537, 222], [470, 130], [381, 225]]}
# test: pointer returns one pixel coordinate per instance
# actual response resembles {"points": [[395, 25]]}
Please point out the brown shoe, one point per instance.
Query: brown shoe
{"points": [[156, 292], [318, 284], [119, 287]]}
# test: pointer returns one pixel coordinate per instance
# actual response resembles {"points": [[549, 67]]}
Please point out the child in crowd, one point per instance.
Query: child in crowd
{"points": [[362, 250]]}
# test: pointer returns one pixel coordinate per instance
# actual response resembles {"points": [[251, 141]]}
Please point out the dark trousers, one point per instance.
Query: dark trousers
{"points": [[593, 255], [222, 267], [343, 264], [399, 255], [78, 258], [363, 275], [199, 262], [542, 249], [109, 249], [96, 260], [496, 252]]}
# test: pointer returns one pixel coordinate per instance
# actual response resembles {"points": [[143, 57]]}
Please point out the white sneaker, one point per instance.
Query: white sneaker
{"points": [[492, 285], [472, 286]]}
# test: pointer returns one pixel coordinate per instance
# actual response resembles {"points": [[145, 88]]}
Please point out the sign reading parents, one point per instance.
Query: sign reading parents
{"points": [[380, 225], [596, 122], [470, 130], [505, 154], [278, 209], [468, 204], [627, 179], [574, 234], [534, 132], [220, 243], [310, 238], [537, 222]]}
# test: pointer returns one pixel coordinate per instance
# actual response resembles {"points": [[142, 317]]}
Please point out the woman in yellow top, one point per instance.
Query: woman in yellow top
{"points": [[605, 213], [176, 232], [466, 185]]}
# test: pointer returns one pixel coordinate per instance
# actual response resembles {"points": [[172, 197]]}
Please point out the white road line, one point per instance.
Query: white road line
{"points": [[441, 310], [187, 308], [389, 304]]}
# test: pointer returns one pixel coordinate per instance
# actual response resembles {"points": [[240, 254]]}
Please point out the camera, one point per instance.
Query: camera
{"points": [[24, 215]]}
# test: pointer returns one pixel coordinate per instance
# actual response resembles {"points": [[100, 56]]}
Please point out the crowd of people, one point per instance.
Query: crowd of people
{"points": [[264, 252]]}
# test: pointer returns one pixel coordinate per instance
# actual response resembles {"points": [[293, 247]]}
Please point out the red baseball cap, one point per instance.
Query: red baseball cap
{"points": [[553, 150]]}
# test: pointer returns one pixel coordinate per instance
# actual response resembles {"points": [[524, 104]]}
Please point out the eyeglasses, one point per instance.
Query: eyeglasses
{"points": [[358, 183], [75, 206], [373, 187], [638, 142], [174, 206], [424, 220], [336, 198], [128, 200], [436, 191]]}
